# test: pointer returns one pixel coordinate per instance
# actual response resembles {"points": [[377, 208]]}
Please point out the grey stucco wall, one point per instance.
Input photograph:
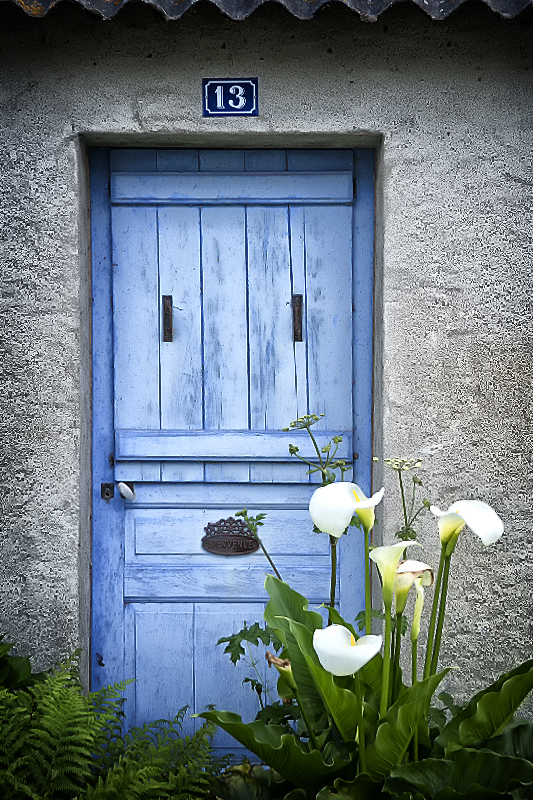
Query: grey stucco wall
{"points": [[449, 106]]}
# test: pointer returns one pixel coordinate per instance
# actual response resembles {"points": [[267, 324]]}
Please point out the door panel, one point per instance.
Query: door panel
{"points": [[196, 422]]}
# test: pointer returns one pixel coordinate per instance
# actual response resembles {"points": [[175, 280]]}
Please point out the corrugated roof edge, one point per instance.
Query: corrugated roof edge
{"points": [[368, 10]]}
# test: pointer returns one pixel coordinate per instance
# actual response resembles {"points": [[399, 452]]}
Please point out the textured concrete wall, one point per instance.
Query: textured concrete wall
{"points": [[450, 106]]}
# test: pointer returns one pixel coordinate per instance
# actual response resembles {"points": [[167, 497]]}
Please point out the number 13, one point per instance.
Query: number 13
{"points": [[238, 102]]}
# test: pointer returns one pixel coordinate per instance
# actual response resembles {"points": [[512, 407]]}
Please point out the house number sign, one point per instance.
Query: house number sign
{"points": [[230, 97]]}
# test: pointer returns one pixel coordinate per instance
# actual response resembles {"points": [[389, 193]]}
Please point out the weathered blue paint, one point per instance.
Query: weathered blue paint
{"points": [[196, 423]]}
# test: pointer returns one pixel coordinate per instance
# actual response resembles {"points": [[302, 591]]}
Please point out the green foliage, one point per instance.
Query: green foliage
{"points": [[15, 671], [250, 782], [469, 758], [60, 744], [326, 461], [254, 634], [253, 522], [370, 736], [411, 512], [471, 774], [488, 712]]}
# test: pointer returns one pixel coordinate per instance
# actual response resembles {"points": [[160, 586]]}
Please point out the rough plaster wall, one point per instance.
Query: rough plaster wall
{"points": [[452, 103]]}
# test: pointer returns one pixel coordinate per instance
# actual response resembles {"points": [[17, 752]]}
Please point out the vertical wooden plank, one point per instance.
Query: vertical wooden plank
{"points": [[225, 339], [272, 385], [271, 357], [136, 317], [297, 245], [328, 245], [217, 680], [159, 655], [107, 650], [181, 359]]}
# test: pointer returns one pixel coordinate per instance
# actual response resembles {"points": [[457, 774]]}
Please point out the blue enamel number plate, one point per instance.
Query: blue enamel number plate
{"points": [[230, 97]]}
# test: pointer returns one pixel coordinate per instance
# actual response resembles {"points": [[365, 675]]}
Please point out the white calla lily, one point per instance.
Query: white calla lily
{"points": [[340, 653], [407, 572], [333, 506], [386, 558], [477, 515]]}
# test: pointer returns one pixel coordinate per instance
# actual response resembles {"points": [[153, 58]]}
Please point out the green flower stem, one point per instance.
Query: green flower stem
{"points": [[360, 723], [385, 678], [263, 548], [368, 595], [310, 731], [396, 659], [403, 499], [414, 679], [333, 581], [433, 617], [319, 454], [442, 612]]}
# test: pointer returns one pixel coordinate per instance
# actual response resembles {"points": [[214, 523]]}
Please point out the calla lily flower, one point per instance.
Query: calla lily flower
{"points": [[407, 572], [340, 653], [478, 516], [333, 506], [283, 666], [386, 558]]}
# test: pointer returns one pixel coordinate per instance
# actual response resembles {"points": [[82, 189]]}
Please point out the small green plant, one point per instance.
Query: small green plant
{"points": [[411, 512], [59, 744]]}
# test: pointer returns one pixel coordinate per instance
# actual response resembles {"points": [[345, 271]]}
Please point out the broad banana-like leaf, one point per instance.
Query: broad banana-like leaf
{"points": [[398, 726], [285, 603], [340, 703], [515, 741], [362, 788], [280, 750], [475, 774], [488, 712], [284, 607]]}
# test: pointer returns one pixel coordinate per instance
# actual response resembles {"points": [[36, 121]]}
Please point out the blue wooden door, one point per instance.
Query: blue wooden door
{"points": [[197, 257]]}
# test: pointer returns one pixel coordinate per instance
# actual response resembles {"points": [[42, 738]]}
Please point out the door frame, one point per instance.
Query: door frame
{"points": [[106, 514]]}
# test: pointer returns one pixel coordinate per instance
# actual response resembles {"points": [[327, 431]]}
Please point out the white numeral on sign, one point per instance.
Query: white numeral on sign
{"points": [[219, 91], [240, 100]]}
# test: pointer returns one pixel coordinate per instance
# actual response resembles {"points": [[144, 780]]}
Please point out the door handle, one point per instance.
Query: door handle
{"points": [[297, 310], [167, 317]]}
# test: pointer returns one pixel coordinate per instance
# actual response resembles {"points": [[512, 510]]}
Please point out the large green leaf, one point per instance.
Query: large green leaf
{"points": [[284, 608], [488, 712], [286, 604], [361, 788], [398, 726], [516, 741], [472, 774], [280, 750], [340, 703]]}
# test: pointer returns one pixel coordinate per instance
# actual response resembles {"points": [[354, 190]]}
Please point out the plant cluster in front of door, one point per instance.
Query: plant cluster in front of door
{"points": [[348, 722]]}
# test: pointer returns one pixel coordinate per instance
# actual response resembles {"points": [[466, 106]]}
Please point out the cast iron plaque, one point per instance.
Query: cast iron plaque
{"points": [[230, 97], [229, 537]]}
